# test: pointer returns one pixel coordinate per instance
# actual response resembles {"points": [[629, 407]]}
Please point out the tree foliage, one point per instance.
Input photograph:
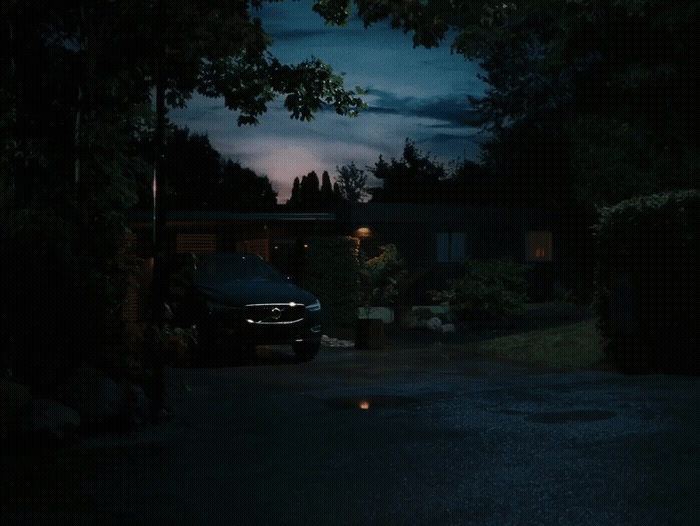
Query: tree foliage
{"points": [[647, 284], [78, 82], [597, 88], [351, 182], [77, 75], [488, 289], [415, 177], [196, 177], [242, 189]]}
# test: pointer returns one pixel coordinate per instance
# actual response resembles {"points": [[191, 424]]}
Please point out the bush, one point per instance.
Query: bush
{"points": [[647, 284], [332, 274], [61, 295], [382, 278], [36, 278], [495, 288]]}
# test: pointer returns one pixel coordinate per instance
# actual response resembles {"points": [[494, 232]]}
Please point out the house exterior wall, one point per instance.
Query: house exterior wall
{"points": [[422, 232]]}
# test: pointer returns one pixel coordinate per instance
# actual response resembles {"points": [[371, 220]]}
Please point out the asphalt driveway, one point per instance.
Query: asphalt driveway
{"points": [[403, 436]]}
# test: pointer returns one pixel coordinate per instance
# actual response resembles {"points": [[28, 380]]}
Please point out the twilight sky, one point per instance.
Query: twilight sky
{"points": [[419, 94]]}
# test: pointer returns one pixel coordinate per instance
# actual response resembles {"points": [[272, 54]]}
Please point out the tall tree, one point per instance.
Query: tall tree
{"points": [[295, 199], [326, 188], [241, 189], [415, 177], [310, 192], [77, 69], [85, 82], [603, 91], [191, 168], [351, 182]]}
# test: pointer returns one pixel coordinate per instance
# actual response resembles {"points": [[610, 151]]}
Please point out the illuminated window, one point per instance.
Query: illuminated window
{"points": [[540, 246], [450, 247]]}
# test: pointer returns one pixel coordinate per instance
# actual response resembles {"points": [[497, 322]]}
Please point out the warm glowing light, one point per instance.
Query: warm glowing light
{"points": [[364, 404], [363, 232], [306, 246]]}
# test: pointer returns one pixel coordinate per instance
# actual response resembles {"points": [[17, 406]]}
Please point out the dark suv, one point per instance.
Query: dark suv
{"points": [[237, 301]]}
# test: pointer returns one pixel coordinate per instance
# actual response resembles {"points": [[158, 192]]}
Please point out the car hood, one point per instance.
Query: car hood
{"points": [[240, 292]]}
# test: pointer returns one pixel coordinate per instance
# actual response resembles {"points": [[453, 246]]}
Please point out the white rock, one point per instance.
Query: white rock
{"points": [[434, 324]]}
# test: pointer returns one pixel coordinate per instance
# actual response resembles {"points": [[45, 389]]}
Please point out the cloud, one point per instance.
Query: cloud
{"points": [[455, 109], [414, 93]]}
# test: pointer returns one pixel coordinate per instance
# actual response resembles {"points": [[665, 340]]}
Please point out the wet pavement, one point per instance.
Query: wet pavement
{"points": [[414, 436]]}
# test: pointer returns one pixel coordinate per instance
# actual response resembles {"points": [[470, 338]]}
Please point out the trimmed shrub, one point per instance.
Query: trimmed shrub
{"points": [[332, 273], [382, 278], [489, 289], [647, 282]]}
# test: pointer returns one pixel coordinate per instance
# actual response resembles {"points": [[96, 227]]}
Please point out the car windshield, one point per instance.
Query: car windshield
{"points": [[235, 267]]}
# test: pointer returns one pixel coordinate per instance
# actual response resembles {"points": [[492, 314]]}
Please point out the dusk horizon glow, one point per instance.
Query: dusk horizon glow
{"points": [[417, 94]]}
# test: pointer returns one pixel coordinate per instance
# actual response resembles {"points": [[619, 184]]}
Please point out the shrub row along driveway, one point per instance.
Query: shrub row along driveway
{"points": [[410, 436]]}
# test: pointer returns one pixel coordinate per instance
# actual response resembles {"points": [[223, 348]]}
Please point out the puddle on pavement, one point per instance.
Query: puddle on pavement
{"points": [[562, 417], [371, 402], [385, 401]]}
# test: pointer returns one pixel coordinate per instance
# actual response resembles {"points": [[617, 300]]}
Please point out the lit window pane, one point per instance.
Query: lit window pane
{"points": [[540, 246]]}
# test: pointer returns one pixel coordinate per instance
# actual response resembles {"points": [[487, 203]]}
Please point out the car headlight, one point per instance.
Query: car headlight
{"points": [[315, 306]]}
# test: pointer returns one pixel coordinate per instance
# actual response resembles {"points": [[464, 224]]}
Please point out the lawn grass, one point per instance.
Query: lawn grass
{"points": [[573, 346]]}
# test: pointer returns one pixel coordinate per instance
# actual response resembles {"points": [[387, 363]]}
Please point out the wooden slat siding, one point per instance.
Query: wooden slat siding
{"points": [[131, 306], [196, 243], [126, 261]]}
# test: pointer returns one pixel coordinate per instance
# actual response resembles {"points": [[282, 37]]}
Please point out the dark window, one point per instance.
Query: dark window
{"points": [[450, 247]]}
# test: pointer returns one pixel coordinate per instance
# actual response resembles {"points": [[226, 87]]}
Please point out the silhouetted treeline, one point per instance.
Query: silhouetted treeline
{"points": [[418, 178], [308, 193], [195, 177]]}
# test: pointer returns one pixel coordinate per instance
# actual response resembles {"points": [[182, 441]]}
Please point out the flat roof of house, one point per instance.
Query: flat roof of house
{"points": [[225, 216]]}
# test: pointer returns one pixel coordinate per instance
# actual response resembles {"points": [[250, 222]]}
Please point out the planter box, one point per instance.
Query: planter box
{"points": [[369, 334]]}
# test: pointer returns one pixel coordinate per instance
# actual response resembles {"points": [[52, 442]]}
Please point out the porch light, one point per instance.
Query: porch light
{"points": [[363, 232]]}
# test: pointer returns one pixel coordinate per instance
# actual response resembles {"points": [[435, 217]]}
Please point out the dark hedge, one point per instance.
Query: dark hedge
{"points": [[648, 284]]}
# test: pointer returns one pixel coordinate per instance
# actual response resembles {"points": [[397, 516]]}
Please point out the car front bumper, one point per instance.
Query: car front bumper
{"points": [[233, 326]]}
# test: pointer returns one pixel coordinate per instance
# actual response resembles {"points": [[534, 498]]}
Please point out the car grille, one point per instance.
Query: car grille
{"points": [[277, 313]]}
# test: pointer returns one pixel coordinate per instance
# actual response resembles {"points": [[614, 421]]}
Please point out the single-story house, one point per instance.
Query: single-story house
{"points": [[435, 238]]}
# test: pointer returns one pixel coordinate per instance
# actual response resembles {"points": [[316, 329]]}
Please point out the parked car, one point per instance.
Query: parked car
{"points": [[237, 301]]}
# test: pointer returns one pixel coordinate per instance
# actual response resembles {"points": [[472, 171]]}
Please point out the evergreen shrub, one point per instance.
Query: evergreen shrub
{"points": [[332, 273], [495, 288], [647, 296]]}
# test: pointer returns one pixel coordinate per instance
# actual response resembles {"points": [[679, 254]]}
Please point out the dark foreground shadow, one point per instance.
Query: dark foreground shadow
{"points": [[231, 356]]}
